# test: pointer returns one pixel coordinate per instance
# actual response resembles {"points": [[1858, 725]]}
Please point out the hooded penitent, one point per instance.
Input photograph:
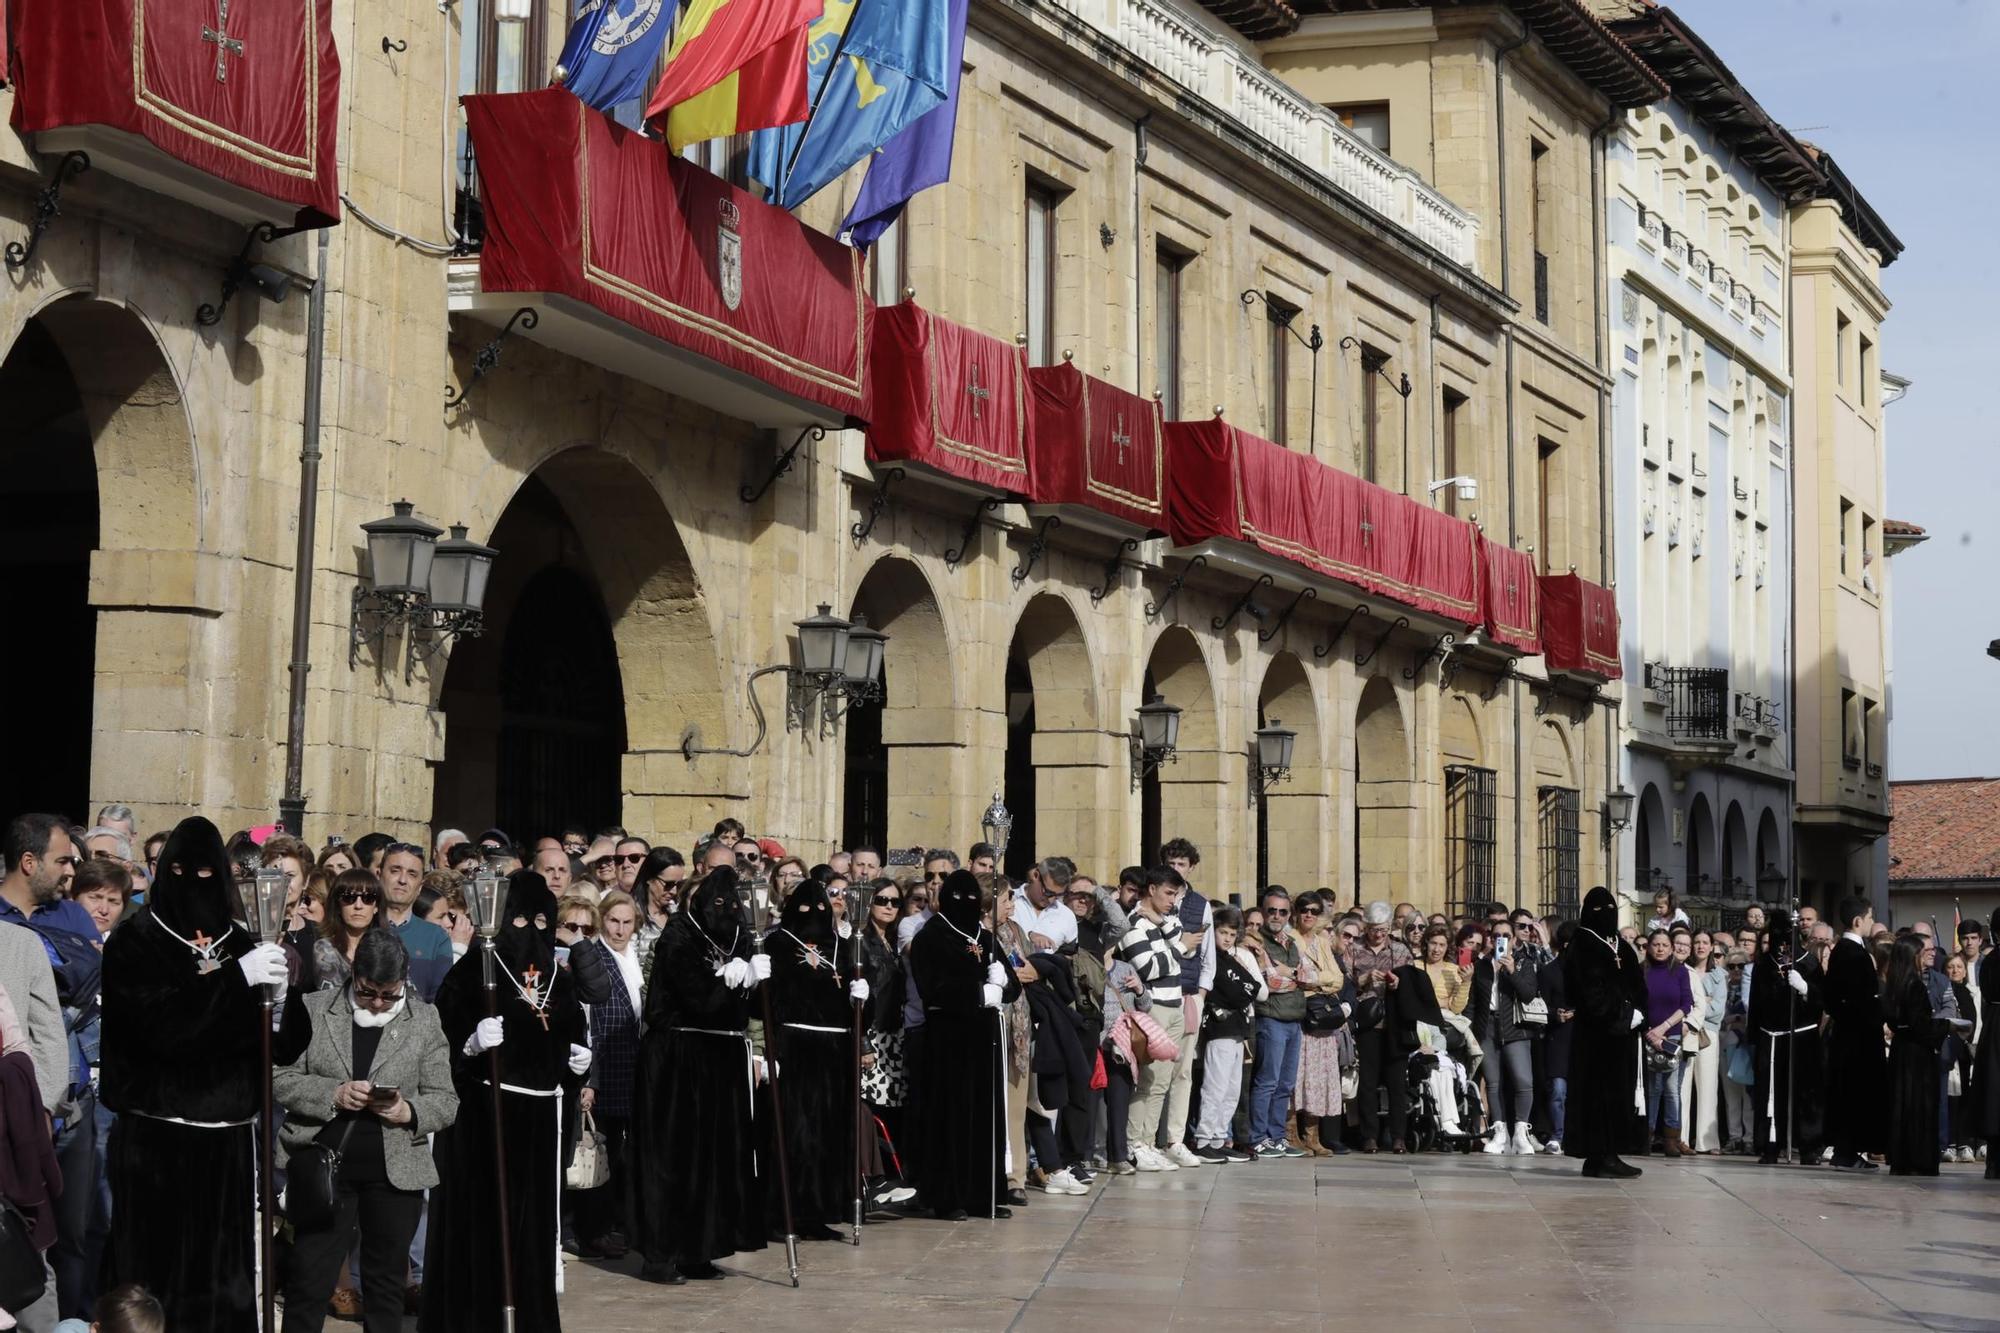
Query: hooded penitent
{"points": [[1788, 1105], [958, 901], [1600, 912], [195, 888], [810, 971], [527, 935], [1604, 986], [715, 905]]}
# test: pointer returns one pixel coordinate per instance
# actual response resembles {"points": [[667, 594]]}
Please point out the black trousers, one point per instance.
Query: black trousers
{"points": [[1118, 1087], [1380, 1068], [1050, 1154], [386, 1218]]}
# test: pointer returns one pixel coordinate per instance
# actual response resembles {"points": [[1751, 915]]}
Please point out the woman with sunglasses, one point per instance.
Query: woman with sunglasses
{"points": [[357, 901], [1318, 1103], [884, 1076]]}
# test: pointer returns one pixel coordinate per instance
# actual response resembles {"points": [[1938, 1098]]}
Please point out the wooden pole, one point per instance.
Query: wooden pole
{"points": [[266, 1167], [778, 1132], [486, 966]]}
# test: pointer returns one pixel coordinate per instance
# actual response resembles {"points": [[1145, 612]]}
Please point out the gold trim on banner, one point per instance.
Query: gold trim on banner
{"points": [[1004, 462], [1154, 505], [694, 320], [226, 140]]}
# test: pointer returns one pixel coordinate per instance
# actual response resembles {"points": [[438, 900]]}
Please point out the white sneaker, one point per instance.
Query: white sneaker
{"points": [[1979, 1153], [1523, 1144], [1553, 1148], [1147, 1158], [1496, 1143], [1062, 1182], [1179, 1155]]}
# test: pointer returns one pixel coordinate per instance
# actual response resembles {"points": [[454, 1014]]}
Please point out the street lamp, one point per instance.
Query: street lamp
{"points": [[435, 590], [456, 604], [996, 824], [1617, 810], [1155, 739], [862, 675], [839, 663], [1771, 884], [1273, 759]]}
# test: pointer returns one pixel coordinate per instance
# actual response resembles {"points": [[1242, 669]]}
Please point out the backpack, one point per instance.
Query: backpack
{"points": [[1089, 970], [79, 969]]}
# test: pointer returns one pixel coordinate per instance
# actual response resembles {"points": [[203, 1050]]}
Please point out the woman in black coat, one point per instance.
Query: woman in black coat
{"points": [[1605, 1112], [1983, 1103], [1913, 1064]]}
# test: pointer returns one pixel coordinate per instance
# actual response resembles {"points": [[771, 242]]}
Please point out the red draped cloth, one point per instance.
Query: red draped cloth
{"points": [[947, 397], [1580, 626], [1511, 610], [580, 206], [1096, 445], [251, 99]]}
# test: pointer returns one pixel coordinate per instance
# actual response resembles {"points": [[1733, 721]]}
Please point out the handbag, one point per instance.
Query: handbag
{"points": [[1368, 1011], [1662, 1058], [590, 1165], [1702, 1041], [312, 1183], [1531, 1013], [23, 1278], [1350, 1083], [1323, 1014], [1100, 1078], [1742, 1069]]}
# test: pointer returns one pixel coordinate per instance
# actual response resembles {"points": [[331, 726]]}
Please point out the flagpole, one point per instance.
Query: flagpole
{"points": [[839, 49]]}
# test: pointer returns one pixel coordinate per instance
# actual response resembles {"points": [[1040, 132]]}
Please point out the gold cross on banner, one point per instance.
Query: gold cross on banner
{"points": [[979, 392], [1120, 438], [225, 45]]}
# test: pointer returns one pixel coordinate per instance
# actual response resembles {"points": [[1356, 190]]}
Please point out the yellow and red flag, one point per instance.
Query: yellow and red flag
{"points": [[735, 65]]}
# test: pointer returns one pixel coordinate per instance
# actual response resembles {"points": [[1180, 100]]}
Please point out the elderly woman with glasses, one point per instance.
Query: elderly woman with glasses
{"points": [[373, 1081]]}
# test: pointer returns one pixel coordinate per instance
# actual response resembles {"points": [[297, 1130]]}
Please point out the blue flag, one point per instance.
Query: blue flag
{"points": [[612, 49], [916, 159], [873, 67]]}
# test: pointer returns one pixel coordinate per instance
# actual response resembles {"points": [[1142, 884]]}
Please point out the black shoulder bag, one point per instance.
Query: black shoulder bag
{"points": [[312, 1183]]}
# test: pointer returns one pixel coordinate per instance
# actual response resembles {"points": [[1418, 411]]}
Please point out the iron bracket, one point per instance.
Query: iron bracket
{"points": [[1036, 549], [1156, 609], [1401, 622], [1448, 669], [238, 271], [1284, 616], [954, 557], [1103, 590], [489, 356], [1326, 649], [48, 206], [398, 47], [860, 531], [1223, 622], [751, 496], [1440, 646], [430, 631]]}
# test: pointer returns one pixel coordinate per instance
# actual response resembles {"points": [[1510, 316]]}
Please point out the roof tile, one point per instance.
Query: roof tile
{"points": [[1946, 829]]}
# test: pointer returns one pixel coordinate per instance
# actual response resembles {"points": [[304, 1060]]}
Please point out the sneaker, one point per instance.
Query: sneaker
{"points": [[1979, 1153], [1099, 1164], [1211, 1156], [1123, 1169], [1286, 1149], [1147, 1158], [1497, 1143], [1061, 1182], [1553, 1147], [1180, 1156], [1235, 1154]]}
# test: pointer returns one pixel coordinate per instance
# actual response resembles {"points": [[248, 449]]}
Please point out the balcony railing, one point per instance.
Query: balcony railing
{"points": [[1185, 50], [1697, 701]]}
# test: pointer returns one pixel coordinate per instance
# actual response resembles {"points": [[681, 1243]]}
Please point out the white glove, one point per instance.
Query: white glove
{"points": [[579, 1058], [763, 1070], [490, 1033], [1638, 1019], [736, 973], [264, 966], [761, 965], [996, 975], [1346, 1009], [1796, 982], [857, 990], [990, 995]]}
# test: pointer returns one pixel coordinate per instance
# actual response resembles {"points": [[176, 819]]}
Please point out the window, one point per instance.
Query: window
{"points": [[1561, 874], [1846, 520], [1868, 554], [1541, 231], [889, 266], [1453, 412], [1168, 264], [1368, 120], [1372, 362], [1850, 728], [726, 158], [1279, 314], [1470, 837], [1546, 501], [500, 50], [1875, 735], [1040, 253], [1866, 363], [1840, 326]]}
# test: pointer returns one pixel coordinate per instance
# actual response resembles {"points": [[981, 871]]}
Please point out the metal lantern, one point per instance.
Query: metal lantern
{"points": [[864, 654], [486, 902], [459, 570], [996, 824], [263, 900], [1618, 808], [1771, 884], [823, 642], [400, 550], [513, 11], [1159, 727], [1274, 749]]}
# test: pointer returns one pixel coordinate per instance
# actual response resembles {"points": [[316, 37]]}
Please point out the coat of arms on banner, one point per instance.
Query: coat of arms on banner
{"points": [[626, 23], [729, 252]]}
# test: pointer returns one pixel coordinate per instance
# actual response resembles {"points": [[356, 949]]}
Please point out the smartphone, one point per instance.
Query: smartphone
{"points": [[382, 1096], [1500, 946], [562, 955]]}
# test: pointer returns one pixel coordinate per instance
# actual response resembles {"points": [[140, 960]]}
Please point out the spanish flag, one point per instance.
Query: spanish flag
{"points": [[735, 65]]}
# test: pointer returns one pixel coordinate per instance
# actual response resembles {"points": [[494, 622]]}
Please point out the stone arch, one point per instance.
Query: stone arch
{"points": [[1770, 853], [1183, 799], [898, 779], [100, 480], [1291, 815], [1554, 766], [592, 512], [1699, 844], [1384, 796], [1054, 751], [1736, 868], [1649, 843]]}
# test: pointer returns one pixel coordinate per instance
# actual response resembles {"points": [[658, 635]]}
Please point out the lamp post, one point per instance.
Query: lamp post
{"points": [[262, 898], [839, 663], [1155, 739], [486, 904], [455, 598], [1272, 762], [400, 550]]}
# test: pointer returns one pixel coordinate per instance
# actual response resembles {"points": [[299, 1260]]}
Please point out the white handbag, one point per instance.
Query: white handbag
{"points": [[590, 1168]]}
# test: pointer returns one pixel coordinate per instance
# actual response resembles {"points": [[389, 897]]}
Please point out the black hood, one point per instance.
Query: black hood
{"points": [[716, 905], [1777, 930], [181, 897], [958, 901], [1600, 912], [808, 914], [532, 944]]}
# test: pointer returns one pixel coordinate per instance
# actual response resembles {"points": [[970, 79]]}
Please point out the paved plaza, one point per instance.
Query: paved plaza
{"points": [[1393, 1244]]}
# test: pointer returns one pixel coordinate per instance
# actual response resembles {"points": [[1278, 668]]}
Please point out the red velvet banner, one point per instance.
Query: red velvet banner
{"points": [[1095, 445], [6, 43], [945, 396], [245, 90], [1512, 609], [1580, 626], [582, 207], [1223, 482]]}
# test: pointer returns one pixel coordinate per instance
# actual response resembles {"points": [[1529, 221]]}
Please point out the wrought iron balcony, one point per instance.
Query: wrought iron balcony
{"points": [[1697, 702]]}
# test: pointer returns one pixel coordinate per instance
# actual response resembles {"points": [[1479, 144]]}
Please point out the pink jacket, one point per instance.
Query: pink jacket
{"points": [[1159, 1046]]}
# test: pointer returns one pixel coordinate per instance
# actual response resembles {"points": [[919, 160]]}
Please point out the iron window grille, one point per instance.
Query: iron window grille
{"points": [[1697, 703], [1562, 873], [1471, 837]]}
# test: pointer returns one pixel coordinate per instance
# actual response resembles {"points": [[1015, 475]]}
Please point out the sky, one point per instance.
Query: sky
{"points": [[1900, 92]]}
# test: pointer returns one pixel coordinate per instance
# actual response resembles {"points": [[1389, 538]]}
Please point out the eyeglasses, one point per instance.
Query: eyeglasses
{"points": [[377, 996], [1277, 911], [1350, 935], [630, 858], [348, 897], [934, 876], [1308, 911], [583, 928], [576, 848], [886, 900]]}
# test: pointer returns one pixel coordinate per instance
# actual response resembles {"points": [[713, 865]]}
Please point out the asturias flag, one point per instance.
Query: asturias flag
{"points": [[741, 55], [890, 70], [916, 159], [612, 48]]}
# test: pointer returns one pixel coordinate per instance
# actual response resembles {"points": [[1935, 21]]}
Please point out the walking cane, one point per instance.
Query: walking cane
{"points": [[1792, 1040], [263, 900], [999, 1098], [486, 903], [860, 1128], [778, 1133]]}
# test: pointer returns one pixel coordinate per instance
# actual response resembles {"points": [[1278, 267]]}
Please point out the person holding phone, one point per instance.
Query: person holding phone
{"points": [[373, 1080]]}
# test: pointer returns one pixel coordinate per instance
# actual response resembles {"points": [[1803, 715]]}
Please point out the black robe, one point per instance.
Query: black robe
{"points": [[1982, 1106], [462, 1290], [1856, 1066], [1603, 984], [700, 1198], [182, 1044], [816, 1079], [959, 1109], [1913, 1081], [1787, 1050]]}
